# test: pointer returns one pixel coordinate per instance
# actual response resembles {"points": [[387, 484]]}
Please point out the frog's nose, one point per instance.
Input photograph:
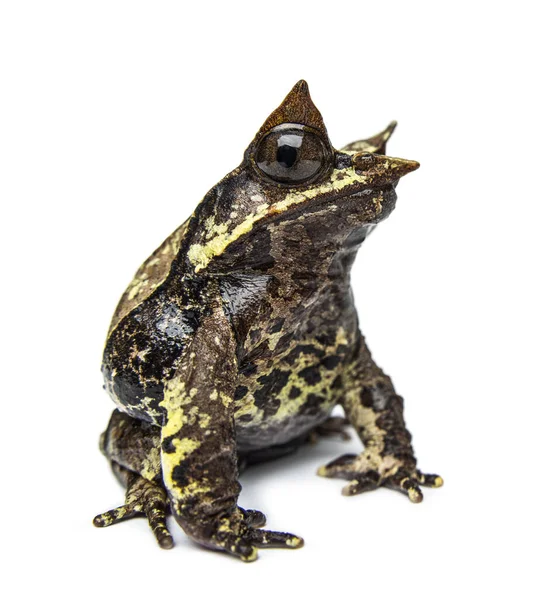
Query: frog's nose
{"points": [[382, 168]]}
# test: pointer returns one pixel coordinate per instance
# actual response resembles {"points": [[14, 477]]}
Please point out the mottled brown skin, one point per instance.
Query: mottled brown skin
{"points": [[239, 335]]}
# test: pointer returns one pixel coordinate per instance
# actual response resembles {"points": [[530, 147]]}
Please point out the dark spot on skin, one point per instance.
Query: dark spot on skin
{"points": [[255, 335], [303, 349], [277, 325], [331, 362], [245, 418], [273, 383], [337, 383], [182, 474], [311, 375], [284, 342], [260, 352], [167, 446], [294, 393], [367, 398], [240, 392], [326, 339], [342, 349], [271, 386], [312, 405], [271, 407], [248, 370]]}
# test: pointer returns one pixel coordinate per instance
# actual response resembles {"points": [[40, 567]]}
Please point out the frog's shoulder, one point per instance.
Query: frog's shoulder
{"points": [[152, 273]]}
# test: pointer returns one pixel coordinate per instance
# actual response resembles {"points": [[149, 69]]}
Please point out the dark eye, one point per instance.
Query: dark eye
{"points": [[291, 154]]}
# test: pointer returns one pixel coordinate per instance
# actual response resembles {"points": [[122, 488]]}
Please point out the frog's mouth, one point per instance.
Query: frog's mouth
{"points": [[369, 180], [362, 178]]}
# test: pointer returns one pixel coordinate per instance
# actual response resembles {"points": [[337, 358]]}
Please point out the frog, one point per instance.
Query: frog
{"points": [[239, 336]]}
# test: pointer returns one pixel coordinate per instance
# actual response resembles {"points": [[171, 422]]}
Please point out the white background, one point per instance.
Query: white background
{"points": [[115, 119]]}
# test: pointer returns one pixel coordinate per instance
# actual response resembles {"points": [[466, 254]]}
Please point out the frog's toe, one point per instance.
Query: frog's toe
{"points": [[366, 482], [237, 535], [429, 479], [263, 538], [114, 516], [362, 478], [342, 467], [409, 482], [143, 499], [408, 486], [156, 517], [254, 518], [245, 546]]}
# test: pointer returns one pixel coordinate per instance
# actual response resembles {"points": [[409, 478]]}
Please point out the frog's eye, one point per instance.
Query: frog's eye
{"points": [[292, 154]]}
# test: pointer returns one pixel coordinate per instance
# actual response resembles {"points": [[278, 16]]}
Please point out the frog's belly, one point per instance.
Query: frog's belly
{"points": [[278, 404], [283, 394], [278, 431]]}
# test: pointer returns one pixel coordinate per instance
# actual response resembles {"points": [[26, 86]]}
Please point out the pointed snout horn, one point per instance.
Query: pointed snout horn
{"points": [[382, 169]]}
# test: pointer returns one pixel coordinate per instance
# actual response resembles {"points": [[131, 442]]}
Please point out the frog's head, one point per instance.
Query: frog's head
{"points": [[294, 193]]}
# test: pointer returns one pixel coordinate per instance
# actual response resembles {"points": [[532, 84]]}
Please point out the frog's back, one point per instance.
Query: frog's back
{"points": [[152, 273], [149, 330]]}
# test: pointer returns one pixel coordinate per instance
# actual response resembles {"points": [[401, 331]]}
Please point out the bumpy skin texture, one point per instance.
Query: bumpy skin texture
{"points": [[239, 335]]}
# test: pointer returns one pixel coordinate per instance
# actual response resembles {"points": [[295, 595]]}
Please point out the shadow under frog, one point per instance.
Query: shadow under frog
{"points": [[239, 335]]}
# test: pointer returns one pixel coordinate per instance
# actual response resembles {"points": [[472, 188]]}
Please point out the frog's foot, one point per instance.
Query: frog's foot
{"points": [[143, 498], [391, 472], [331, 427], [239, 535]]}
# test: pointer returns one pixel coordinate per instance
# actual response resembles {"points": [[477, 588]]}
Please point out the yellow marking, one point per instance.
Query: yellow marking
{"points": [[204, 420], [340, 179], [295, 542], [221, 229], [174, 401], [347, 490], [371, 457], [200, 255], [226, 400], [183, 447], [151, 465], [414, 495]]}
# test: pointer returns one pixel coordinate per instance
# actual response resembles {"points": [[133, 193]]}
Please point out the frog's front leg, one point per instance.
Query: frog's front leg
{"points": [[376, 412], [198, 447]]}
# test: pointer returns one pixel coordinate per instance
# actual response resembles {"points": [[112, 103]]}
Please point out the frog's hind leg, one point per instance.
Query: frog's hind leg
{"points": [[331, 427], [133, 449]]}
